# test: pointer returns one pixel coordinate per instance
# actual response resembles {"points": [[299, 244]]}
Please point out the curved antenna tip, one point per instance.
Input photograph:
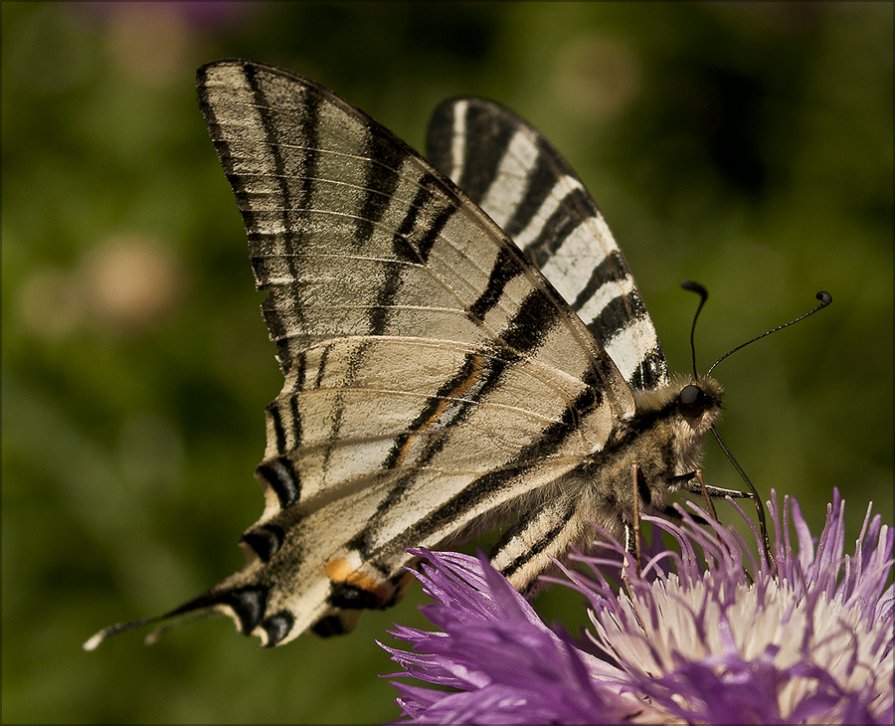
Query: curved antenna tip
{"points": [[823, 296], [694, 286]]}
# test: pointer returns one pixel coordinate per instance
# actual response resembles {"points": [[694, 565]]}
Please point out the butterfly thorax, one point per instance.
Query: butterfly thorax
{"points": [[661, 442]]}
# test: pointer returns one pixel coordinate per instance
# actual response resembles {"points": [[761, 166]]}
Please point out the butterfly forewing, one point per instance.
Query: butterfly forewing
{"points": [[528, 189], [432, 374], [354, 234]]}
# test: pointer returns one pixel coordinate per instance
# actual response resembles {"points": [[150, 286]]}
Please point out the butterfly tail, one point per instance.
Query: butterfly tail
{"points": [[244, 604]]}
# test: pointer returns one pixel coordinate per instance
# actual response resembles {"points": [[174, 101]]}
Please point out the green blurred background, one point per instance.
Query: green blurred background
{"points": [[746, 146]]}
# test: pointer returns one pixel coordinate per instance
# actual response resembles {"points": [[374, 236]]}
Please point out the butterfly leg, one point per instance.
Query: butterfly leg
{"points": [[632, 529], [694, 483], [709, 502], [687, 483], [717, 492]]}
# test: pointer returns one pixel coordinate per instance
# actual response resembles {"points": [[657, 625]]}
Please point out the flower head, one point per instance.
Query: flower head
{"points": [[711, 634]]}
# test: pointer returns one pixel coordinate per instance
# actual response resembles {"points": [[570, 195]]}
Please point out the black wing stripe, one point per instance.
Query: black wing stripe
{"points": [[527, 330], [279, 174], [479, 172], [355, 363], [645, 376], [247, 603], [383, 160], [276, 422], [265, 540], [505, 269], [280, 474], [611, 269], [404, 251], [545, 538], [617, 315], [295, 416], [568, 215], [321, 366], [277, 627], [414, 226], [540, 184], [551, 217], [476, 494]]}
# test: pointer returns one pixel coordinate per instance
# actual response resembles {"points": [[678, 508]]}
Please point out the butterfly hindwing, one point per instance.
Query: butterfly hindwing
{"points": [[508, 169]]}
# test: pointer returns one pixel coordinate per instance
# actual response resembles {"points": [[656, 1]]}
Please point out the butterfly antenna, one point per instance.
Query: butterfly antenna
{"points": [[825, 299], [703, 296]]}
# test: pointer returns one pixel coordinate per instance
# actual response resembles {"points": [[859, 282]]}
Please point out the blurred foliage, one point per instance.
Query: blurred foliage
{"points": [[746, 146]]}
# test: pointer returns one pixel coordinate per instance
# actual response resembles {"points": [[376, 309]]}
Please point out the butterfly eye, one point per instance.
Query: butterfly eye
{"points": [[692, 401]]}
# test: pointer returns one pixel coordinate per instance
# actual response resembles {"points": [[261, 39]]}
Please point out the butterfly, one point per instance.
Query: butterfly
{"points": [[462, 345]]}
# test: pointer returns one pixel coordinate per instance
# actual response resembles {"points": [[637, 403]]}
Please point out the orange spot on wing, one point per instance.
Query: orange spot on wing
{"points": [[341, 571]]}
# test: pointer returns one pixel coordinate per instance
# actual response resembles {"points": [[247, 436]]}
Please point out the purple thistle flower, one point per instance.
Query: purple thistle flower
{"points": [[712, 634]]}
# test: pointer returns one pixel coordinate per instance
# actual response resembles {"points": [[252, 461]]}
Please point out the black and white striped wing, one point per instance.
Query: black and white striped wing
{"points": [[432, 374], [508, 169]]}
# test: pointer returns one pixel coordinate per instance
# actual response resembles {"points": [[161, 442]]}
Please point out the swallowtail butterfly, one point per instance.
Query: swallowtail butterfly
{"points": [[462, 345]]}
